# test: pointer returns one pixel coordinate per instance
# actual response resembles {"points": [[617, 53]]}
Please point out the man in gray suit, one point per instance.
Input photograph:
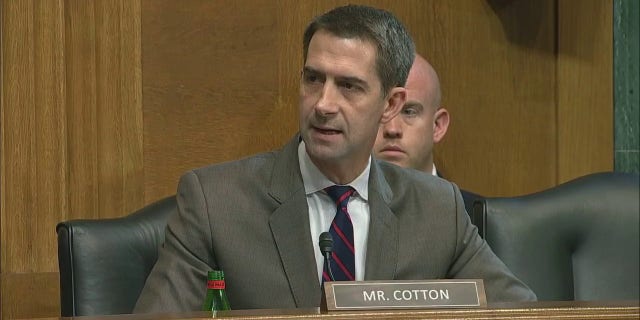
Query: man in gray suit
{"points": [[259, 218]]}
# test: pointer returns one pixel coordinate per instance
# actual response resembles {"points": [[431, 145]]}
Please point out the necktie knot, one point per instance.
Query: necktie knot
{"points": [[340, 194]]}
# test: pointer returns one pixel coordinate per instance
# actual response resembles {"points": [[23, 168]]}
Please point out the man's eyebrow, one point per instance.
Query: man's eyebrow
{"points": [[354, 80], [310, 70], [413, 104]]}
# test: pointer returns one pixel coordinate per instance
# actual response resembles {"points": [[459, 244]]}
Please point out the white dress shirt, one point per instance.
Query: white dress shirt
{"points": [[322, 209]]}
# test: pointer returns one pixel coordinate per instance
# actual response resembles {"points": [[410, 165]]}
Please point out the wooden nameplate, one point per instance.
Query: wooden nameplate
{"points": [[403, 294]]}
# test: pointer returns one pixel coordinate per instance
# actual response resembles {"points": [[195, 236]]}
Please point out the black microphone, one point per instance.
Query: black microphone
{"points": [[326, 247]]}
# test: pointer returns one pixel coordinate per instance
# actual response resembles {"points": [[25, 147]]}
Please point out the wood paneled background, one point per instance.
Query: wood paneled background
{"points": [[106, 102]]}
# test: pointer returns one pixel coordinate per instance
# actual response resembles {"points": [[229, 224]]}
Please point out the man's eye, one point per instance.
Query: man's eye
{"points": [[411, 112], [349, 86]]}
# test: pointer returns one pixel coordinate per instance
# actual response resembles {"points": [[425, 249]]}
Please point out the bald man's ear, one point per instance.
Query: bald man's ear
{"points": [[396, 99], [440, 124]]}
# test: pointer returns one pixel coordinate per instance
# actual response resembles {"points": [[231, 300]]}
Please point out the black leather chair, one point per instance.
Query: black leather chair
{"points": [[104, 263], [576, 241]]}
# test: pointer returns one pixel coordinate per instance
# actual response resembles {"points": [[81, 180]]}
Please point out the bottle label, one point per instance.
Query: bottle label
{"points": [[215, 284]]}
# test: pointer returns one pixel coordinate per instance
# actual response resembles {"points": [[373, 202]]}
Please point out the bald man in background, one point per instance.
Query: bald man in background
{"points": [[407, 140]]}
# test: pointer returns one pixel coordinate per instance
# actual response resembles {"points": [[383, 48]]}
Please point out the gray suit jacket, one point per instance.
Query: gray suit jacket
{"points": [[250, 218]]}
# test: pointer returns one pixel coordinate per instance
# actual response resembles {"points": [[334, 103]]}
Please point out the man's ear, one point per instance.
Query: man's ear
{"points": [[440, 124], [396, 99]]}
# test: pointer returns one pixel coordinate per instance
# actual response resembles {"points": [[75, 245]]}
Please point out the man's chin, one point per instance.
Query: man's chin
{"points": [[322, 152], [395, 160]]}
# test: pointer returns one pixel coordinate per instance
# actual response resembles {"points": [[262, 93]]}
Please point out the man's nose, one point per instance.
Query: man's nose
{"points": [[393, 128], [328, 101]]}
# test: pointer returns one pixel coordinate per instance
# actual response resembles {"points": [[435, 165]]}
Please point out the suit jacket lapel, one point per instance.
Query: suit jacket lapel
{"points": [[382, 245], [290, 227]]}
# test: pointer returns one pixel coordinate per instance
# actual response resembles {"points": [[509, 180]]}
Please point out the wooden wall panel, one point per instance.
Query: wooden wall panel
{"points": [[497, 68], [104, 85], [30, 295], [210, 86], [71, 134], [80, 42], [130, 76], [118, 107], [33, 145], [34, 153], [585, 88]]}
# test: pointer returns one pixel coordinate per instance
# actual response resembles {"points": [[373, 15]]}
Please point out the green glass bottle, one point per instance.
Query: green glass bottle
{"points": [[216, 299]]}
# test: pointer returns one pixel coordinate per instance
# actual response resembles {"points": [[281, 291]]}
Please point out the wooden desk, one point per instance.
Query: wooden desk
{"points": [[534, 310]]}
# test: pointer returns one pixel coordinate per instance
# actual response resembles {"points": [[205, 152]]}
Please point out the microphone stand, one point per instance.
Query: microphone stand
{"points": [[327, 264]]}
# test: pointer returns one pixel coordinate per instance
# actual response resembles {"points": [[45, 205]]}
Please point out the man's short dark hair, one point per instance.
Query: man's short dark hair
{"points": [[395, 48]]}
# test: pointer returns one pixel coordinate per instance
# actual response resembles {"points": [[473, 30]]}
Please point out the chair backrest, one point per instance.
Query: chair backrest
{"points": [[104, 263], [576, 241]]}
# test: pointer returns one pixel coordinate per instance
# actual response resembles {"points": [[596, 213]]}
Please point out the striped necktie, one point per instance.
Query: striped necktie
{"points": [[343, 256]]}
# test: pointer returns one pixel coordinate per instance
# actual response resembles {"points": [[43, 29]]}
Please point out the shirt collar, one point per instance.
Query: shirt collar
{"points": [[315, 181]]}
